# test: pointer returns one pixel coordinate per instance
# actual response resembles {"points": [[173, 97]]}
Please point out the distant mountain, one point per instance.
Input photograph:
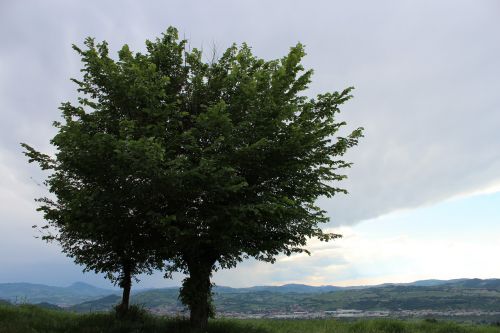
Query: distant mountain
{"points": [[458, 294], [50, 306], [439, 295], [89, 290], [476, 283], [303, 288], [102, 304], [287, 288], [61, 296], [426, 283]]}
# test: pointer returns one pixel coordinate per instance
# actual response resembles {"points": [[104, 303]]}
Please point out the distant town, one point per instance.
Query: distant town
{"points": [[340, 313]]}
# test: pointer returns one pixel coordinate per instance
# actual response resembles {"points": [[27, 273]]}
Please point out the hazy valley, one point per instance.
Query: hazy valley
{"points": [[462, 299]]}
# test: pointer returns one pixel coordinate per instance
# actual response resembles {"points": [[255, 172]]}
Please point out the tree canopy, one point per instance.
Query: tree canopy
{"points": [[196, 164]]}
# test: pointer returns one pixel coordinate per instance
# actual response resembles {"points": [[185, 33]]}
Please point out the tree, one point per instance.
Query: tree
{"points": [[218, 161], [102, 210], [250, 156]]}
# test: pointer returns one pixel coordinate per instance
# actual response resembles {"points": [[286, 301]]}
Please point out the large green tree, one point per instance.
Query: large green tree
{"points": [[250, 157], [222, 159], [102, 208]]}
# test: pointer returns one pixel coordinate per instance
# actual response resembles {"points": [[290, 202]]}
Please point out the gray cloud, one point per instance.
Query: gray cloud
{"points": [[426, 77]]}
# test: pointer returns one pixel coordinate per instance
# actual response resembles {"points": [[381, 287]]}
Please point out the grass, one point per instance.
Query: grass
{"points": [[32, 319]]}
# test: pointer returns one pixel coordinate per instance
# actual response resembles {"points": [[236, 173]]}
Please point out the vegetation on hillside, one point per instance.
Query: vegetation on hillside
{"points": [[468, 295], [378, 298], [451, 297]]}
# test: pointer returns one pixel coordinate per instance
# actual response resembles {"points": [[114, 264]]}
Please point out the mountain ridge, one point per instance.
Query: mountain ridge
{"points": [[88, 289], [81, 292], [23, 292], [458, 295]]}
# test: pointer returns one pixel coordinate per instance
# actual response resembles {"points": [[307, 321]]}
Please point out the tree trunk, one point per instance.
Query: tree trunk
{"points": [[126, 284], [196, 293], [199, 313]]}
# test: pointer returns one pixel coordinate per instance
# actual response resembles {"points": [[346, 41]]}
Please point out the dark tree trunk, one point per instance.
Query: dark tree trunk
{"points": [[126, 284], [199, 313], [196, 293]]}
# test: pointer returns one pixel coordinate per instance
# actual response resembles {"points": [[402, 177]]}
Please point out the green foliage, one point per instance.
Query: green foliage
{"points": [[26, 318], [134, 313], [167, 157]]}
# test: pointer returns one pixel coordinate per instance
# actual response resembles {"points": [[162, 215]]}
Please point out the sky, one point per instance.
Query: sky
{"points": [[424, 190]]}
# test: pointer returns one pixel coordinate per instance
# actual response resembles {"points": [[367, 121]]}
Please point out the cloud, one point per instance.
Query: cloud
{"points": [[392, 248], [426, 78]]}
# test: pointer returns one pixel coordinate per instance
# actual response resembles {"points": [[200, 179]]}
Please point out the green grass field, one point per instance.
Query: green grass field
{"points": [[31, 319]]}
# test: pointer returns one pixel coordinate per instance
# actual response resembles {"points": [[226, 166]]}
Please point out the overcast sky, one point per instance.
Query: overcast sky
{"points": [[424, 196]]}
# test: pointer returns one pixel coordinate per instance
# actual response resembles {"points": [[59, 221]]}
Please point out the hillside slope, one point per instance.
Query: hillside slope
{"points": [[63, 296]]}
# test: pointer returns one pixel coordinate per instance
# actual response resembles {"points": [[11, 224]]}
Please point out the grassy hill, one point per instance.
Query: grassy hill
{"points": [[27, 318]]}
